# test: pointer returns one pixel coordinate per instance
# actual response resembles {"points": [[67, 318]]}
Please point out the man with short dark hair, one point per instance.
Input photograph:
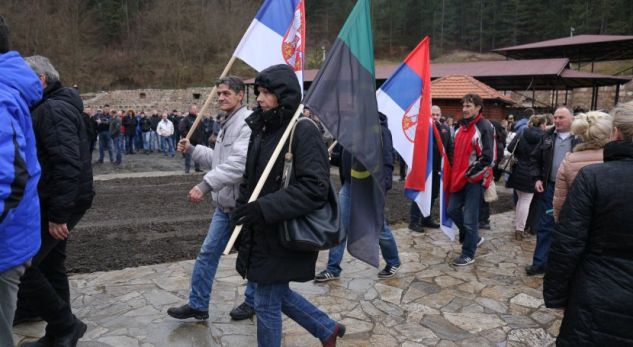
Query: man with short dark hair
{"points": [[66, 193], [19, 204], [473, 156], [103, 120], [227, 164]]}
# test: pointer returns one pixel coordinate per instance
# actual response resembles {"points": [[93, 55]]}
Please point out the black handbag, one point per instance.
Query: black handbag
{"points": [[318, 230], [508, 163]]}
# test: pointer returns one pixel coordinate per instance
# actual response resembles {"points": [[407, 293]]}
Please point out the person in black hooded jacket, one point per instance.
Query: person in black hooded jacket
{"points": [[262, 259], [521, 178], [589, 271], [66, 192]]}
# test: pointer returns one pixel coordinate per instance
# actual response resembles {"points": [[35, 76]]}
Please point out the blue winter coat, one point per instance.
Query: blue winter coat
{"points": [[20, 171]]}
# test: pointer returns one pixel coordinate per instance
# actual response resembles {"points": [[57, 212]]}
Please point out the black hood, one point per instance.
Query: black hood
{"points": [[383, 120], [618, 150], [69, 95], [282, 81], [533, 135]]}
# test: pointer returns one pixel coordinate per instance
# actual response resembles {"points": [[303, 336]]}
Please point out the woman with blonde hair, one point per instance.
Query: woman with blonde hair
{"points": [[594, 129], [590, 265]]}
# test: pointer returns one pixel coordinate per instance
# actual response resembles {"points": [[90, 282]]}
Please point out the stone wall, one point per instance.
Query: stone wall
{"points": [[159, 99]]}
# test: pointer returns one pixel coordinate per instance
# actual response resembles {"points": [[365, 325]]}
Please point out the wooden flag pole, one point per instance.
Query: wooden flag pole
{"points": [[264, 177], [207, 102], [329, 150]]}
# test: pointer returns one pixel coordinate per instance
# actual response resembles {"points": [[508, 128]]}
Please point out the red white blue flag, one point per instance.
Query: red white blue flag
{"points": [[405, 98], [275, 36]]}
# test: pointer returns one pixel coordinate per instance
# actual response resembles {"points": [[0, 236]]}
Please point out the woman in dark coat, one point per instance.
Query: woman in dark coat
{"points": [[589, 272], [129, 122], [262, 259], [521, 179]]}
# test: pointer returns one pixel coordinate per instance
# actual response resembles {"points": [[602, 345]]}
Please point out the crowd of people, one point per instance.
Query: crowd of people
{"points": [[569, 180], [129, 132]]}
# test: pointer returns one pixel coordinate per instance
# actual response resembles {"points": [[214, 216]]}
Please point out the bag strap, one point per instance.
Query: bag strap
{"points": [[517, 144], [288, 157]]}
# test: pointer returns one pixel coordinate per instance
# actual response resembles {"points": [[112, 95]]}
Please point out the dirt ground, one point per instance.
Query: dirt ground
{"points": [[148, 220]]}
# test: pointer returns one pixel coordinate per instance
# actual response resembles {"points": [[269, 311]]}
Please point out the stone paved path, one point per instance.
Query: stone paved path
{"points": [[428, 303]]}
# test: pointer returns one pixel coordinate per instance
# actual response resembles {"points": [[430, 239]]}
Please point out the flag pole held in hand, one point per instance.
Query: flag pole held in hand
{"points": [[207, 102], [264, 177]]}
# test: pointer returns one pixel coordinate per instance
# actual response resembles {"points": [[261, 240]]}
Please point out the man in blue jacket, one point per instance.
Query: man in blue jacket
{"points": [[19, 174]]}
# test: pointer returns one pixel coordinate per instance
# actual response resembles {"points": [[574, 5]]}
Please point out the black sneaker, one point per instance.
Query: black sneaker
{"points": [[389, 271], [45, 341], [325, 276], [416, 228], [463, 261], [185, 311], [71, 338], [534, 270], [244, 311], [481, 240], [430, 224], [485, 226]]}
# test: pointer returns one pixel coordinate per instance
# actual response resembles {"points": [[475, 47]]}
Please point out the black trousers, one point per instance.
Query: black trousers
{"points": [[44, 289]]}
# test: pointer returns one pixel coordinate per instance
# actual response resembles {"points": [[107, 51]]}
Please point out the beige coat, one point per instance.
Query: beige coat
{"points": [[567, 172]]}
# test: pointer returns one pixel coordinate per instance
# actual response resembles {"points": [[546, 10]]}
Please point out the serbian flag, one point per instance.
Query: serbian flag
{"points": [[405, 98], [275, 36], [343, 97]]}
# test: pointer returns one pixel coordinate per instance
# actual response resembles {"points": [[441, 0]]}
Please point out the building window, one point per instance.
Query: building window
{"points": [[142, 95], [196, 96]]}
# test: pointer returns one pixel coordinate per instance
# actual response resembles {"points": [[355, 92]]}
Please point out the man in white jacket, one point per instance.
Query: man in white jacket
{"points": [[165, 130], [227, 162]]}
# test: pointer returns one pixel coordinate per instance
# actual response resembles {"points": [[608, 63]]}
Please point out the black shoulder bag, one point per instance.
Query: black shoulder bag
{"points": [[318, 230]]}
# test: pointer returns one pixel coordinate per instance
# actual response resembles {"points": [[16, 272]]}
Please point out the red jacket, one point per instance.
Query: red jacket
{"points": [[474, 153]]}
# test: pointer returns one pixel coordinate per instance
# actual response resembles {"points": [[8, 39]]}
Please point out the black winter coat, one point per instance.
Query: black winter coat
{"points": [[130, 122], [146, 125], [590, 265], [543, 155], [63, 150], [262, 258], [521, 178]]}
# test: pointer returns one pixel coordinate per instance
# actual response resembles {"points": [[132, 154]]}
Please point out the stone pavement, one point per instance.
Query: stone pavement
{"points": [[428, 303]]}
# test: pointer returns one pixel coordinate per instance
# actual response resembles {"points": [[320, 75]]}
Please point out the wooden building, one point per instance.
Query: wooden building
{"points": [[447, 93]]}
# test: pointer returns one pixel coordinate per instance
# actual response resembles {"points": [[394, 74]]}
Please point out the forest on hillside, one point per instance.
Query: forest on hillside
{"points": [[110, 44]]}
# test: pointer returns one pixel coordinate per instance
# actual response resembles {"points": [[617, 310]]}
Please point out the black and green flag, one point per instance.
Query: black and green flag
{"points": [[343, 96]]}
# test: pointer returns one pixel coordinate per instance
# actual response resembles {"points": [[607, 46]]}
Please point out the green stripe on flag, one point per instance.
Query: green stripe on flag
{"points": [[356, 33]]}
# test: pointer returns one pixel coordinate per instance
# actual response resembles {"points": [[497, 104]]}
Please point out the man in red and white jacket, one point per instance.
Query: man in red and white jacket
{"points": [[474, 155]]}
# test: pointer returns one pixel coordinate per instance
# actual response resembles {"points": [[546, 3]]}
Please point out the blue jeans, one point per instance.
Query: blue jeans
{"points": [[387, 243], [546, 227], [153, 143], [147, 136], [105, 141], [129, 144], [118, 147], [273, 299], [166, 141], [207, 263], [463, 208]]}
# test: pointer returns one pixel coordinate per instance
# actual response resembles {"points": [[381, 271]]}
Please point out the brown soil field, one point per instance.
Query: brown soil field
{"points": [[148, 220]]}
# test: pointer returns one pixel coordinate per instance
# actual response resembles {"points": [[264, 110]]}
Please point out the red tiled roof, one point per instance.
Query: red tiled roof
{"points": [[456, 86]]}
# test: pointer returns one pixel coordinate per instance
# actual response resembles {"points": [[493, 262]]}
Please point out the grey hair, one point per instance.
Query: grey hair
{"points": [[42, 66], [233, 82]]}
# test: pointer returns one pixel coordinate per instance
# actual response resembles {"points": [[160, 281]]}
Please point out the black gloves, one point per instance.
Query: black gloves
{"points": [[248, 214]]}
